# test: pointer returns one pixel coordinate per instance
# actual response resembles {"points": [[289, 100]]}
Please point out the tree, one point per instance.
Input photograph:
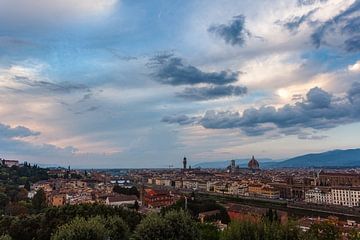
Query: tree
{"points": [[354, 235], [5, 237], [4, 200], [127, 191], [262, 230], [208, 232], [81, 229], [117, 228], [174, 225], [27, 185], [323, 231], [39, 200], [271, 215], [136, 205]]}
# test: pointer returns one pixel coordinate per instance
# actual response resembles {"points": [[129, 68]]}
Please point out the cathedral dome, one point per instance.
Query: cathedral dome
{"points": [[253, 163]]}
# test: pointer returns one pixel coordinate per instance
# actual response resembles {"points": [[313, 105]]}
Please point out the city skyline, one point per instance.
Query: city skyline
{"points": [[116, 83]]}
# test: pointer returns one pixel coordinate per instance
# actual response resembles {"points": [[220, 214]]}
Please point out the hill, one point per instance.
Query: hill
{"points": [[335, 158], [225, 163]]}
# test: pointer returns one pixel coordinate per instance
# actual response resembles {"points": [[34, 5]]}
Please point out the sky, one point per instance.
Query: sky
{"points": [[133, 84]]}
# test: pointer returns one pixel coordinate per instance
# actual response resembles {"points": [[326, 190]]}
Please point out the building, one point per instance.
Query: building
{"points": [[253, 164], [349, 197], [263, 191], [10, 163], [332, 179], [184, 163], [121, 200], [58, 200], [346, 197], [157, 198], [318, 196]]}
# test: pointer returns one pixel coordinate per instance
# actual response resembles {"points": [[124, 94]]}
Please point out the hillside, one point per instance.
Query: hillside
{"points": [[334, 158]]}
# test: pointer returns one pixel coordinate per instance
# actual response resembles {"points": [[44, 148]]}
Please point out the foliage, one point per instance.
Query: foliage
{"points": [[258, 231], [112, 228], [354, 235], [10, 181], [5, 237], [126, 191], [196, 206], [271, 216], [41, 226], [323, 231], [82, 229], [117, 228], [208, 232], [174, 225], [39, 200]]}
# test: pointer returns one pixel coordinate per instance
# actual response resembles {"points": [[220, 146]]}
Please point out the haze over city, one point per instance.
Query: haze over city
{"points": [[121, 83]]}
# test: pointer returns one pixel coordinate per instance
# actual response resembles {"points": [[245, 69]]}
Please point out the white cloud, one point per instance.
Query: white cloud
{"points": [[355, 67]]}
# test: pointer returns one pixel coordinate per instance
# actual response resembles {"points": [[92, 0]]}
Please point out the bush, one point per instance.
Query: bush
{"points": [[81, 229], [174, 225], [5, 237], [259, 231]]}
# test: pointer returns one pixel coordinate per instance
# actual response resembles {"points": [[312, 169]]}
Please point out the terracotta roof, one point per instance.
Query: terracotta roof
{"points": [[122, 198]]}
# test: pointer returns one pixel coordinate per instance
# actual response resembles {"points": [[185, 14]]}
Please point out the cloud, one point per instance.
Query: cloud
{"points": [[310, 2], [7, 131], [31, 79], [294, 23], [320, 110], [344, 27], [172, 70], [355, 67], [212, 92], [233, 33], [179, 119], [60, 87]]}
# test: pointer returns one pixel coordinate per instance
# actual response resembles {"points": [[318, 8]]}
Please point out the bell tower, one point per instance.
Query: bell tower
{"points": [[184, 163]]}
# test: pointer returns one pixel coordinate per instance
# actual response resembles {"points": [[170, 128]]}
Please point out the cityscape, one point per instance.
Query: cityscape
{"points": [[179, 120]]}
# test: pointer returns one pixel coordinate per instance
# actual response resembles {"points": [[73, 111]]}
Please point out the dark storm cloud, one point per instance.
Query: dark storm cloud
{"points": [[345, 24], [233, 33], [173, 71], [60, 87], [212, 92], [16, 132], [318, 111]]}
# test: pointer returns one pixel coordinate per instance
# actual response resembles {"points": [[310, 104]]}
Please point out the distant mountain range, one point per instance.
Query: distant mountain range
{"points": [[334, 158]]}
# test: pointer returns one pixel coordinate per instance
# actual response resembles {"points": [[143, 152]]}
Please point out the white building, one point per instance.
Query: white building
{"points": [[121, 200], [10, 163], [349, 197], [346, 197], [318, 197]]}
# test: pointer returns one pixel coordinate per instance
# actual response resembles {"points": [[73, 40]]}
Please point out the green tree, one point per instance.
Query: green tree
{"points": [[354, 235], [136, 206], [174, 225], [27, 185], [4, 200], [264, 230], [208, 232], [39, 200], [117, 228], [323, 231], [81, 229], [5, 237]]}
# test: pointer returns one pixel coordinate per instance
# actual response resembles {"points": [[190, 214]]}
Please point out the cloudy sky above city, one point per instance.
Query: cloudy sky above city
{"points": [[122, 83]]}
